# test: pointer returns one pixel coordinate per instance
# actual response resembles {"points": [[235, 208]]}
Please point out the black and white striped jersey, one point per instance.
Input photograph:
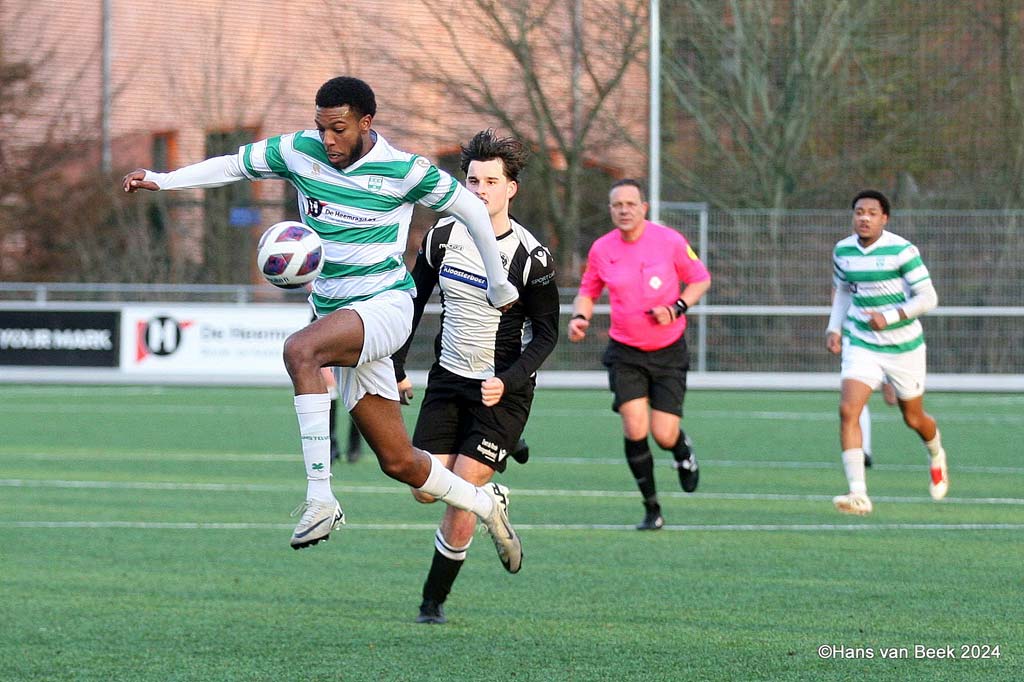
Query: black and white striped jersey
{"points": [[476, 340]]}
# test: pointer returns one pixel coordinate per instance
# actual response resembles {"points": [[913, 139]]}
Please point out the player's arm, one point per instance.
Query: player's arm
{"points": [[215, 172], [425, 276], [472, 213], [693, 273], [841, 299], [540, 302], [923, 295]]}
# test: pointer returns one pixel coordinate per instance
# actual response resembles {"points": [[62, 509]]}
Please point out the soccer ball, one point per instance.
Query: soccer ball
{"points": [[290, 255]]}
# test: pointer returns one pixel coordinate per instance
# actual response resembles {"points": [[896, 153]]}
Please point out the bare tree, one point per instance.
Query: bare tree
{"points": [[753, 85], [546, 72], [756, 81]]}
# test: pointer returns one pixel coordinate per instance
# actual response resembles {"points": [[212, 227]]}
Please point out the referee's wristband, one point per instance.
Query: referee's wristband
{"points": [[580, 316], [680, 306]]}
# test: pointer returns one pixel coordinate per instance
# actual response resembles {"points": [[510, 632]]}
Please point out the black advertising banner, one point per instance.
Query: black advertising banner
{"points": [[65, 338]]}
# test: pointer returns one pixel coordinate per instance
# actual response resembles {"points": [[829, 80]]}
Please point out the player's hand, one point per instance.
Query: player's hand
{"points": [[133, 182], [405, 391], [491, 391], [662, 314], [834, 343], [502, 295], [877, 321], [578, 329]]}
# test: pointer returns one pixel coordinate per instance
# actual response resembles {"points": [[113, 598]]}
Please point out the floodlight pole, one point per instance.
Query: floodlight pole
{"points": [[654, 125]]}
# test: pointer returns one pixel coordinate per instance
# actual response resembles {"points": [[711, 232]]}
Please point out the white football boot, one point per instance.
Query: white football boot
{"points": [[506, 541], [853, 503], [319, 518], [939, 483]]}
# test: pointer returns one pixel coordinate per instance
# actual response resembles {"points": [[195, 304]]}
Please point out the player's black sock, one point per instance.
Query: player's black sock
{"points": [[641, 463], [355, 439], [333, 431], [681, 450], [441, 577]]}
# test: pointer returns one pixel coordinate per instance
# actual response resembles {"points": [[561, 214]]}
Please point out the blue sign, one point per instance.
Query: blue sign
{"points": [[244, 216]]}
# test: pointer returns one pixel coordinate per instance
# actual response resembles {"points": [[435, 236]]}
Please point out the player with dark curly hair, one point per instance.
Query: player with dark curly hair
{"points": [[357, 192]]}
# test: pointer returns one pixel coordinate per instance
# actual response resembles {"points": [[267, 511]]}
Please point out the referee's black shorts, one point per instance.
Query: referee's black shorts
{"points": [[658, 375], [453, 420]]}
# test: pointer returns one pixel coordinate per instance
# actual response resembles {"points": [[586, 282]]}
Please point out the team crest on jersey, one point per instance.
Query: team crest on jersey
{"points": [[375, 183], [655, 282], [315, 170], [504, 260]]}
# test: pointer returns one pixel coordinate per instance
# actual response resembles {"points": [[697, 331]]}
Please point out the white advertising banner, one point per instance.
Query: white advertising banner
{"points": [[208, 339]]}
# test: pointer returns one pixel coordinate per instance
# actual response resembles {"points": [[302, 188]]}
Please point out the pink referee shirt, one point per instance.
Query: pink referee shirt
{"points": [[640, 275]]}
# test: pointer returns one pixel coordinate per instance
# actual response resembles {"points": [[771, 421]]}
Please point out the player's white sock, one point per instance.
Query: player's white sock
{"points": [[865, 429], [451, 489], [450, 551], [853, 464], [314, 412], [935, 449]]}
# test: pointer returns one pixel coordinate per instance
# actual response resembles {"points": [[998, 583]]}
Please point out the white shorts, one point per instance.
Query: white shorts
{"points": [[387, 323], [905, 371]]}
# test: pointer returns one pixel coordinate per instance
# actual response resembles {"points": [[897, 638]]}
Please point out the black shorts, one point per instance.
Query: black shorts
{"points": [[453, 421], [659, 375]]}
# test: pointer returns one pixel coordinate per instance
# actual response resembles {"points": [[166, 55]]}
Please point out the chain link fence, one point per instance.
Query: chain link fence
{"points": [[768, 306]]}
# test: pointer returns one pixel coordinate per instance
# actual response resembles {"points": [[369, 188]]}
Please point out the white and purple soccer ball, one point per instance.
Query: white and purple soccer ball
{"points": [[290, 255]]}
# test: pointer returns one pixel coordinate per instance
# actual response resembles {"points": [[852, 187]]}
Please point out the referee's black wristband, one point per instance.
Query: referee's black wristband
{"points": [[680, 306], [580, 316]]}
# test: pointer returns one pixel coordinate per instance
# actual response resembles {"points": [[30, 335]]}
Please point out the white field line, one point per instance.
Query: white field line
{"points": [[525, 492], [539, 459], [425, 527], [29, 407]]}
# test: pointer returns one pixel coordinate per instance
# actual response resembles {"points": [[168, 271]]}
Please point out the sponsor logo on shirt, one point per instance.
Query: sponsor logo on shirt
{"points": [[463, 276], [491, 450], [331, 214], [542, 280]]}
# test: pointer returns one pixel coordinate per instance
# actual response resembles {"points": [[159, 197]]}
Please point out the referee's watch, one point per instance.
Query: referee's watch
{"points": [[680, 307]]}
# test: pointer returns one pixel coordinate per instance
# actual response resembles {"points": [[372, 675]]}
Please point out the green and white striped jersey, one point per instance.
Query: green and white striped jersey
{"points": [[880, 277], [361, 213]]}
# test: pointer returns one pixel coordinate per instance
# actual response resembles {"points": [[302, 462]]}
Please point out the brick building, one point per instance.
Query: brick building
{"points": [[195, 78]]}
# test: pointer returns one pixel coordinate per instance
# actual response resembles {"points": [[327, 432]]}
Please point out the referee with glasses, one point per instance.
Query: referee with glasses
{"points": [[653, 277]]}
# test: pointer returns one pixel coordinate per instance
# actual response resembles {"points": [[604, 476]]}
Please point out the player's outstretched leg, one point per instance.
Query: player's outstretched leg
{"points": [[380, 422]]}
